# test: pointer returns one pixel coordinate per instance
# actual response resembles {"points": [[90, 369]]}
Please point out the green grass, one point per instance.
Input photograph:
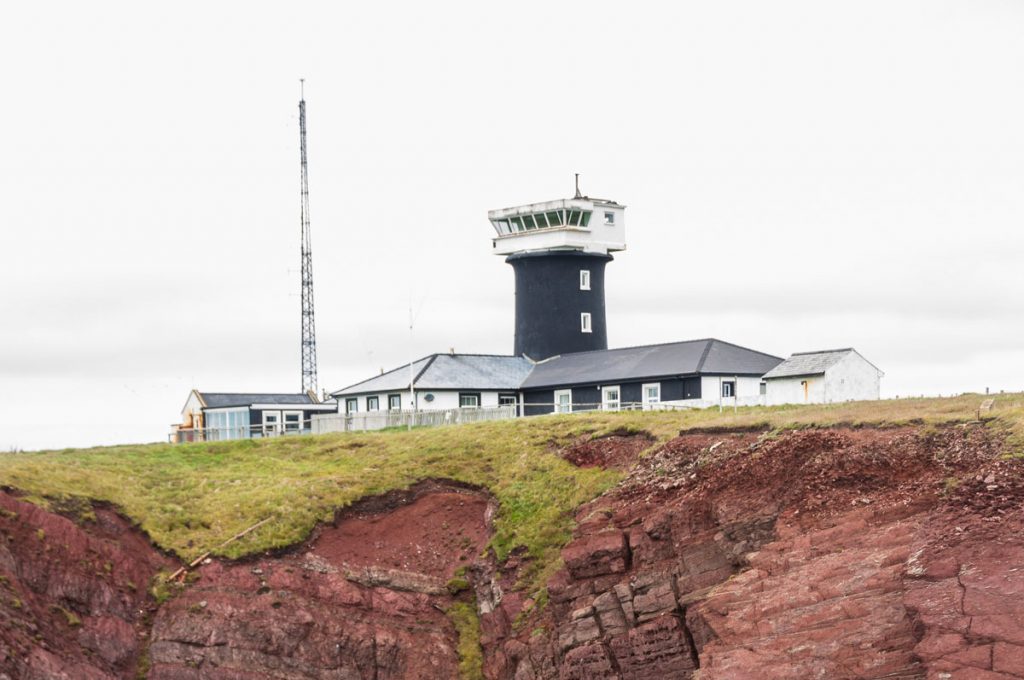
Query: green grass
{"points": [[190, 498], [467, 624]]}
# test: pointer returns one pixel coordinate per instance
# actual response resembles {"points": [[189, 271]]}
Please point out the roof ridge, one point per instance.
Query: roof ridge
{"points": [[617, 349], [475, 354], [746, 349], [240, 393], [393, 370], [824, 351], [704, 355], [430, 362]]}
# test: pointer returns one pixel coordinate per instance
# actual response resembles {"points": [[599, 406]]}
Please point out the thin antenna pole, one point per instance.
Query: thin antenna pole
{"points": [[306, 254], [578, 194], [412, 377]]}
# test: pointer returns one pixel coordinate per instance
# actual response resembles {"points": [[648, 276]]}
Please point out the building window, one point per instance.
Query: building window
{"points": [[351, 405], [292, 421], [764, 388], [227, 424], [563, 401], [507, 400], [652, 393], [610, 398], [609, 218], [469, 400], [729, 388], [584, 279], [585, 322], [373, 403], [394, 402]]}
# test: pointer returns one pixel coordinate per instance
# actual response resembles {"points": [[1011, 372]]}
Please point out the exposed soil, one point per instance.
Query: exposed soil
{"points": [[613, 451], [364, 598], [434, 535], [73, 592]]}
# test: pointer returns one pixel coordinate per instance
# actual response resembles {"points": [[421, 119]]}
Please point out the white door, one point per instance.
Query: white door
{"points": [[610, 398], [652, 395]]}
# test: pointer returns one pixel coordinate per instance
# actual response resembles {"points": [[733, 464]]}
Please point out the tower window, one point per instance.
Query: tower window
{"points": [[584, 279], [585, 322], [609, 218]]}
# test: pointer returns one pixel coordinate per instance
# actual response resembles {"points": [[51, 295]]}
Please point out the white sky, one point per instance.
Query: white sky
{"points": [[799, 175]]}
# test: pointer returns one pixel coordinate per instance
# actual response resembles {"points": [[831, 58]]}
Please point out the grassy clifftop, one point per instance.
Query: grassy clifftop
{"points": [[190, 498]]}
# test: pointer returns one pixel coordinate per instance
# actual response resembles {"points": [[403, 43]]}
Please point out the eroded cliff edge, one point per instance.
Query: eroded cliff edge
{"points": [[842, 553], [831, 553]]}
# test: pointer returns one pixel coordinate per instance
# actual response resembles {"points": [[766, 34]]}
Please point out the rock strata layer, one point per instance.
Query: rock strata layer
{"points": [[829, 554], [824, 554]]}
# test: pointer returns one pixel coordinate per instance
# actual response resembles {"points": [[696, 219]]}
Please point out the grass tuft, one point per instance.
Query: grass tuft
{"points": [[467, 624]]}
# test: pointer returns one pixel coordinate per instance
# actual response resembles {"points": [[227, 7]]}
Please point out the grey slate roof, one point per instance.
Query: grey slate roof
{"points": [[629, 364], [808, 363], [224, 399], [449, 371]]}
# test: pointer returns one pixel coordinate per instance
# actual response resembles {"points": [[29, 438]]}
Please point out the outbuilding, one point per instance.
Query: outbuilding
{"points": [[823, 377], [210, 416]]}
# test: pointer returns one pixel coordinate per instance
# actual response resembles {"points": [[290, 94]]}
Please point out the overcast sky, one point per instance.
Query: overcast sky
{"points": [[798, 176]]}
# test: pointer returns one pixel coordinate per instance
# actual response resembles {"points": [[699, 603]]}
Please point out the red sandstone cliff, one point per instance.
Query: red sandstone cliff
{"points": [[867, 553]]}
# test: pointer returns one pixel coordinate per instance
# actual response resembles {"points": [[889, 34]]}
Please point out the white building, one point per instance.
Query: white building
{"points": [[823, 377], [440, 382]]}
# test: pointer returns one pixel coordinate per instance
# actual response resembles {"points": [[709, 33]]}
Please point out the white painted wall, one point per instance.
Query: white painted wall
{"points": [[598, 237], [443, 399], [853, 378], [792, 390], [748, 390], [193, 408]]}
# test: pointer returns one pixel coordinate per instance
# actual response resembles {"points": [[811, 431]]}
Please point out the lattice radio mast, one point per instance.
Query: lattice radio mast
{"points": [[308, 322]]}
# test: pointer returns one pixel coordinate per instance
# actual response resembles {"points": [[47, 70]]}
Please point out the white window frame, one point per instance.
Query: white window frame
{"points": [[558, 401], [390, 406], [469, 396], [584, 279], [647, 401], [354, 401], [609, 218], [586, 325], [731, 384], [376, 402], [611, 404], [284, 421]]}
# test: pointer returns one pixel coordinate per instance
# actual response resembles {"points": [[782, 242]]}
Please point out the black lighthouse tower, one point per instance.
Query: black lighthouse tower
{"points": [[559, 250]]}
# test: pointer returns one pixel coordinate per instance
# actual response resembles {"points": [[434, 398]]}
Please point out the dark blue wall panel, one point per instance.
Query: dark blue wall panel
{"points": [[549, 303]]}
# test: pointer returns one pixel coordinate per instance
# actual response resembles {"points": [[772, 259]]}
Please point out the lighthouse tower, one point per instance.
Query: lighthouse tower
{"points": [[559, 250]]}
